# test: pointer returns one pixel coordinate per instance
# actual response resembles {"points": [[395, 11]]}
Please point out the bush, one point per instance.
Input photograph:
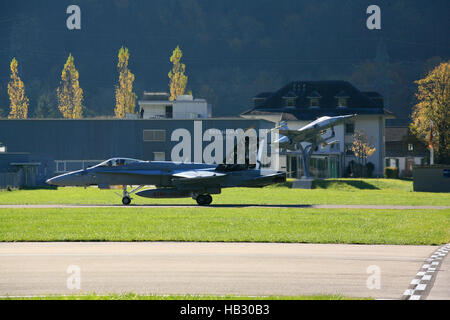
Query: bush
{"points": [[357, 170], [391, 173], [370, 167]]}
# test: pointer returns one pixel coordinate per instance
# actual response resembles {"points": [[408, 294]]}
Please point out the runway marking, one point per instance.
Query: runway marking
{"points": [[421, 285]]}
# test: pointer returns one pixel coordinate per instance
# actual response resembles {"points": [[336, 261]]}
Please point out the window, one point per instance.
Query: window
{"points": [[159, 156], [349, 128], [314, 99], [393, 163], [60, 166], [290, 102], [154, 135], [410, 147], [169, 112], [348, 149], [314, 103], [342, 102]]}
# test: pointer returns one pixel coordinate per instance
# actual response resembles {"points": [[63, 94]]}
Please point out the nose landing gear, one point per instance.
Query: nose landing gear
{"points": [[126, 199]]}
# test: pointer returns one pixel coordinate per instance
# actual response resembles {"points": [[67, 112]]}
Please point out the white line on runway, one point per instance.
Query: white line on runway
{"points": [[421, 285]]}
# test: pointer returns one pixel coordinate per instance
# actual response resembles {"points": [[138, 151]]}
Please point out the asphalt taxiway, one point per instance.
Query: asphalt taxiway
{"points": [[255, 269]]}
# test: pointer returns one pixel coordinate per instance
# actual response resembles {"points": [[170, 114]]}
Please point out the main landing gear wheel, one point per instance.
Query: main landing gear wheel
{"points": [[126, 200], [204, 200]]}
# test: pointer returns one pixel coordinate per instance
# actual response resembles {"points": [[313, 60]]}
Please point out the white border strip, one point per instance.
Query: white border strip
{"points": [[425, 277]]}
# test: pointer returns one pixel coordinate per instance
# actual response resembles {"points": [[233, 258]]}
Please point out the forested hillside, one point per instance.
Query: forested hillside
{"points": [[232, 49]]}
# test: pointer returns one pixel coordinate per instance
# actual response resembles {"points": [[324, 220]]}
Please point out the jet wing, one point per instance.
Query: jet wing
{"points": [[197, 174], [137, 172], [193, 177], [295, 135]]}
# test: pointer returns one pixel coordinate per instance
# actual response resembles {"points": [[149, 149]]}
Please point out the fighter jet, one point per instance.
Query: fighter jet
{"points": [[172, 180], [312, 133]]}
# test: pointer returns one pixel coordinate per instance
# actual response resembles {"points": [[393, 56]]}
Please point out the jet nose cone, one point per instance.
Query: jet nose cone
{"points": [[55, 181]]}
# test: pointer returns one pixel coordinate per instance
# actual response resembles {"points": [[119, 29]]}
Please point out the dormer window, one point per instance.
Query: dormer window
{"points": [[342, 99], [342, 102], [290, 99], [314, 100], [314, 103], [290, 102]]}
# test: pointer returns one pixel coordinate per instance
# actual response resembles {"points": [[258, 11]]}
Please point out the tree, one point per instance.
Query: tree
{"points": [[362, 149], [70, 95], [433, 95], [125, 97], [16, 91], [178, 80]]}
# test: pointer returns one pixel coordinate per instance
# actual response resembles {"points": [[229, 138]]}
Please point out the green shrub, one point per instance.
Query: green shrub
{"points": [[370, 168], [391, 173]]}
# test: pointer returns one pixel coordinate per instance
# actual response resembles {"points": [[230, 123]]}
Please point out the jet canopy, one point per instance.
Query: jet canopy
{"points": [[116, 162]]}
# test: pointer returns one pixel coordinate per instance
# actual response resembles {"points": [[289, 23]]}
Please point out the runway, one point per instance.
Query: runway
{"points": [[255, 269], [298, 206]]}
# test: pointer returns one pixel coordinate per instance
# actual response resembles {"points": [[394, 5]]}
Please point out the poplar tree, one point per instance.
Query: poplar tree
{"points": [[16, 92], [70, 95], [125, 97], [178, 80]]}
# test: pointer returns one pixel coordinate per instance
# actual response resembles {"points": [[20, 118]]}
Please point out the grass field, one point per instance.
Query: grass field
{"points": [[419, 227], [362, 226], [341, 191], [133, 296]]}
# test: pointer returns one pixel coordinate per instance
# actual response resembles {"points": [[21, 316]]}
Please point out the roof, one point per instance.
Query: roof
{"points": [[376, 97], [398, 123], [314, 94], [342, 94], [290, 94], [155, 96], [396, 134], [358, 102], [287, 117], [263, 95]]}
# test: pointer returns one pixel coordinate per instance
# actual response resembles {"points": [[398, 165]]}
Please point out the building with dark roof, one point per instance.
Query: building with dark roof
{"points": [[301, 102], [404, 150]]}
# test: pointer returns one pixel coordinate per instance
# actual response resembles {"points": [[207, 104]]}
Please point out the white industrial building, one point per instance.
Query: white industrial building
{"points": [[157, 105]]}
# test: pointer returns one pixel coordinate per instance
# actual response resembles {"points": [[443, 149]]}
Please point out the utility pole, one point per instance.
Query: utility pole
{"points": [[431, 145]]}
